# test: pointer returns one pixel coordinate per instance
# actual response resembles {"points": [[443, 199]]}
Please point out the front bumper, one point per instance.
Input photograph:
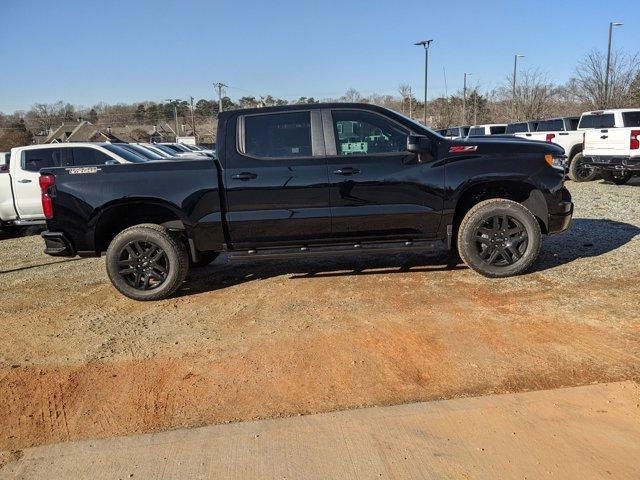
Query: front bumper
{"points": [[631, 164], [561, 213], [57, 244]]}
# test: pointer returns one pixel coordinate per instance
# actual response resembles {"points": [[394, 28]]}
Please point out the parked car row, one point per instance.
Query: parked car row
{"points": [[603, 142], [20, 204]]}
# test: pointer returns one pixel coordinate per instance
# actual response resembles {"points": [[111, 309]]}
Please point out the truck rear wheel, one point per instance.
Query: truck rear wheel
{"points": [[147, 262], [499, 238], [579, 172], [618, 178]]}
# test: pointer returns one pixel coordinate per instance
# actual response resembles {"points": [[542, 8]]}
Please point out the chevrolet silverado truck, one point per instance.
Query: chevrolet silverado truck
{"points": [[612, 143], [20, 202], [319, 179]]}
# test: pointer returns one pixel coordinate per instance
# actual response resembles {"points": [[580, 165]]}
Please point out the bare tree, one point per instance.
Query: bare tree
{"points": [[534, 96], [587, 83], [352, 95]]}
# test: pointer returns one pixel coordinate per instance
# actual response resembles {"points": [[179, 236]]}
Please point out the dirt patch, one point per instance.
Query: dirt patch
{"points": [[241, 342]]}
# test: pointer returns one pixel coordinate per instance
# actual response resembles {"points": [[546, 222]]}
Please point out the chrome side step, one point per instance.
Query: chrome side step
{"points": [[426, 246]]}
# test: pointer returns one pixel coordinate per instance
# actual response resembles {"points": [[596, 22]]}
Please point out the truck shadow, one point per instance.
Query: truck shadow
{"points": [[586, 238]]}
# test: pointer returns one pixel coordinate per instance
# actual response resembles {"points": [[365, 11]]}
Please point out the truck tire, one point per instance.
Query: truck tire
{"points": [[578, 172], [499, 238], [147, 262], [617, 178], [205, 259]]}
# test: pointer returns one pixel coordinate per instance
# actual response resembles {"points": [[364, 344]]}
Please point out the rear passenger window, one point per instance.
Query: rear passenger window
{"points": [[598, 121], [476, 131], [497, 130], [83, 157], [278, 135], [37, 159]]}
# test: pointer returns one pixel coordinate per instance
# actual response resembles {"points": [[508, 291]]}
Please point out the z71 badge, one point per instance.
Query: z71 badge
{"points": [[463, 148], [81, 170]]}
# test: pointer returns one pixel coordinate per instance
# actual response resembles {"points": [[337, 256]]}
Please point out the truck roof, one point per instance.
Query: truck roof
{"points": [[611, 110], [61, 145], [303, 106]]}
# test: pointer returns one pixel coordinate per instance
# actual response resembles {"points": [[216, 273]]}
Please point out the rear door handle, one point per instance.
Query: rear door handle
{"points": [[244, 176], [346, 171], [24, 180], [604, 136]]}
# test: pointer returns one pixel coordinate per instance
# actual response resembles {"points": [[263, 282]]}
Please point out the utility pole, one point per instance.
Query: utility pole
{"points": [[606, 73], [425, 44], [464, 99], [513, 88], [410, 103], [193, 118], [219, 86], [175, 101]]}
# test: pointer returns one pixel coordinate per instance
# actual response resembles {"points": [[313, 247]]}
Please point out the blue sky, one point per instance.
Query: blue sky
{"points": [[85, 51]]}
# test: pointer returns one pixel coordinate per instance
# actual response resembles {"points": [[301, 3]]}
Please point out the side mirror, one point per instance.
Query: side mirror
{"points": [[112, 162], [418, 144]]}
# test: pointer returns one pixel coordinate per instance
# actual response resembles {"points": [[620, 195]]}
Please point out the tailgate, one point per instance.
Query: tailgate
{"points": [[7, 208], [606, 141]]}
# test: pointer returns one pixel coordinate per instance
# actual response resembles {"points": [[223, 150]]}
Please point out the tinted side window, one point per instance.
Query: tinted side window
{"points": [[515, 128], [631, 119], [278, 135], [573, 123], [453, 132], [497, 130], [550, 126], [598, 121], [476, 131], [35, 160], [361, 133], [84, 156]]}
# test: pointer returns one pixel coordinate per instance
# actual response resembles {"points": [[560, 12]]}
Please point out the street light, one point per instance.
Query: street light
{"points": [[515, 71], [174, 101], [425, 44], [464, 99], [606, 73]]}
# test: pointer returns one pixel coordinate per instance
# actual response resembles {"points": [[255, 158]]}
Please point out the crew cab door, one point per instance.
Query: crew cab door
{"points": [[26, 175], [377, 188], [276, 179]]}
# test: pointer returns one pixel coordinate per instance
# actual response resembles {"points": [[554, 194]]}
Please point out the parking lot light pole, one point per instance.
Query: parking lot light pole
{"points": [[425, 44], [513, 87], [464, 99], [606, 73], [174, 101]]}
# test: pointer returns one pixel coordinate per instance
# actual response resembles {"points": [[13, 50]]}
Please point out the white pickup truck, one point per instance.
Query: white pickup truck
{"points": [[20, 202], [563, 131], [612, 143]]}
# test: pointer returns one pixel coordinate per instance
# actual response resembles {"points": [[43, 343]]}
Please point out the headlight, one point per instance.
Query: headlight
{"points": [[556, 161]]}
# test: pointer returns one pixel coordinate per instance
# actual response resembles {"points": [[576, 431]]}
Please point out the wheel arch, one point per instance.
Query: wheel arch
{"points": [[119, 215], [517, 190]]}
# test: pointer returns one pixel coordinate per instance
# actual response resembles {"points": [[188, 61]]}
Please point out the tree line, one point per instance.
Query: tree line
{"points": [[534, 97]]}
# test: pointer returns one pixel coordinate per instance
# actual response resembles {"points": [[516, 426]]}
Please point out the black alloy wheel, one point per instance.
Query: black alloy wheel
{"points": [[144, 265], [501, 240]]}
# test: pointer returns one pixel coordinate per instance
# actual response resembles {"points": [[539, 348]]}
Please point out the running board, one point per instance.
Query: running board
{"points": [[429, 246]]}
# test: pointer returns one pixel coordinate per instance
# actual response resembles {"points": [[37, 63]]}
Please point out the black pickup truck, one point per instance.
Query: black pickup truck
{"points": [[309, 180]]}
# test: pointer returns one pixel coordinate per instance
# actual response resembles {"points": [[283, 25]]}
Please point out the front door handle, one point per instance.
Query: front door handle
{"points": [[24, 180], [244, 176], [346, 171]]}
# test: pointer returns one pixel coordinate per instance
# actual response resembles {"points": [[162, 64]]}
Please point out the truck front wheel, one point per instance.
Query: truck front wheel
{"points": [[147, 262], [579, 172], [499, 238]]}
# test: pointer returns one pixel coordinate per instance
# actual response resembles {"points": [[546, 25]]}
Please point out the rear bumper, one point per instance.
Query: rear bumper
{"points": [[560, 213], [613, 163], [57, 244]]}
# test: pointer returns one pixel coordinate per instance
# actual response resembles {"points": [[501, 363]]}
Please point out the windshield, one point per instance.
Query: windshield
{"points": [[418, 126], [137, 149], [126, 154], [166, 149]]}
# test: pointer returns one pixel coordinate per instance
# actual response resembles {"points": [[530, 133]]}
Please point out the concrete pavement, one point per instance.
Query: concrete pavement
{"points": [[589, 432]]}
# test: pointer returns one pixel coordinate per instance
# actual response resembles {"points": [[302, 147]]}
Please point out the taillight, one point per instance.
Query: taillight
{"points": [[550, 137], [46, 182], [634, 141]]}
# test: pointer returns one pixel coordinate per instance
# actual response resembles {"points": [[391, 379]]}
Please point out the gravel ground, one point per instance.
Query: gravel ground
{"points": [[239, 342]]}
